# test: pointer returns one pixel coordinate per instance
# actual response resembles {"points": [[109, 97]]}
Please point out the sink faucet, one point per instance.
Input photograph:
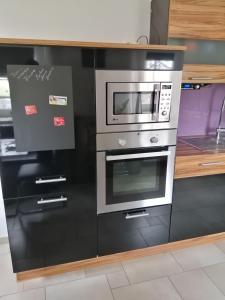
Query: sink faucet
{"points": [[221, 128]]}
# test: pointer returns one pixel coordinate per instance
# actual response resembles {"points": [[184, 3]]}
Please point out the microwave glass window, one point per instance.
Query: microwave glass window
{"points": [[126, 103], [136, 179]]}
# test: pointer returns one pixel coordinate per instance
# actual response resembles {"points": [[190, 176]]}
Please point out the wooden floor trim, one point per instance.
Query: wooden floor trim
{"points": [[68, 267]]}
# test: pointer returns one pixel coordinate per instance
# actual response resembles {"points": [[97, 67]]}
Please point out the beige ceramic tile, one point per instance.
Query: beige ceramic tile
{"points": [[117, 279], [51, 280], [195, 285], [217, 274], [93, 288], [221, 245], [151, 267], [199, 256], [104, 269], [158, 289], [8, 282], [38, 294], [4, 248]]}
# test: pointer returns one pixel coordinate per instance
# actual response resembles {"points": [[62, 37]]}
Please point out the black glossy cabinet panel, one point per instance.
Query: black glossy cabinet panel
{"points": [[50, 196], [118, 234], [198, 207]]}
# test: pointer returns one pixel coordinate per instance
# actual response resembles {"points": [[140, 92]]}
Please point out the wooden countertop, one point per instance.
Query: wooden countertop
{"points": [[40, 42], [191, 162]]}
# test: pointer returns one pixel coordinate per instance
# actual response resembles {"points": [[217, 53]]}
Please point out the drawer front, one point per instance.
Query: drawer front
{"points": [[52, 229], [203, 73], [129, 230], [199, 165]]}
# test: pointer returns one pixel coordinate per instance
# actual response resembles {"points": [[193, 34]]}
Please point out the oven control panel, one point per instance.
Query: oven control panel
{"points": [[165, 102]]}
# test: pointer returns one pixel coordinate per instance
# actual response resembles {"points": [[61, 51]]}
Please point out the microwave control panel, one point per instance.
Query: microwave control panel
{"points": [[165, 102]]}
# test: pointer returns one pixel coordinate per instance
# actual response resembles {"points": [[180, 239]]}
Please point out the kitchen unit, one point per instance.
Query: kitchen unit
{"points": [[137, 116], [65, 170], [198, 196], [48, 155]]}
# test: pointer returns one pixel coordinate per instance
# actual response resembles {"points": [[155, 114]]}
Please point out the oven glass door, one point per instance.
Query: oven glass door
{"points": [[135, 177], [132, 102]]}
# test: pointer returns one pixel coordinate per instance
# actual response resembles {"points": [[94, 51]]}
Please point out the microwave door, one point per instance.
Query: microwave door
{"points": [[130, 102]]}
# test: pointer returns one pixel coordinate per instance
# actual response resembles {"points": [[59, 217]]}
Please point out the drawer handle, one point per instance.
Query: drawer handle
{"points": [[215, 163], [201, 78], [136, 215], [53, 200], [50, 180]]}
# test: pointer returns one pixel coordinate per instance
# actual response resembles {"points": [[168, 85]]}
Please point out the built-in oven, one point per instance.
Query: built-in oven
{"points": [[135, 170], [137, 100]]}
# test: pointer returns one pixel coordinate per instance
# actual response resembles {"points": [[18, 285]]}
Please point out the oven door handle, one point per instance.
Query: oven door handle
{"points": [[137, 155]]}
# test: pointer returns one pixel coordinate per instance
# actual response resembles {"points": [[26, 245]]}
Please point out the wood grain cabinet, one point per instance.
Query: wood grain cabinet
{"points": [[194, 73], [197, 19]]}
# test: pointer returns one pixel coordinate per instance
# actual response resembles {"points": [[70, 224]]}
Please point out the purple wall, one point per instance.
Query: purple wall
{"points": [[200, 110]]}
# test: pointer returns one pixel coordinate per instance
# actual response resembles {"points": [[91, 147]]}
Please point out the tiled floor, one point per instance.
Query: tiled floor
{"points": [[196, 273]]}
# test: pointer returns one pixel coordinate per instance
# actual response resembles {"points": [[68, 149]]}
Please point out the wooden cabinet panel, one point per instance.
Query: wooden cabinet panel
{"points": [[199, 165], [191, 162], [197, 19], [204, 73]]}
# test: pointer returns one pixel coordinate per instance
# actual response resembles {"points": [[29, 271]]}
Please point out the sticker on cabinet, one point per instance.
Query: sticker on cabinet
{"points": [[31, 110], [59, 121], [57, 100]]}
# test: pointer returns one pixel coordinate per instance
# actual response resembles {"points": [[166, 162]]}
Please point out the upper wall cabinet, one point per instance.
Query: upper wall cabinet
{"points": [[197, 19]]}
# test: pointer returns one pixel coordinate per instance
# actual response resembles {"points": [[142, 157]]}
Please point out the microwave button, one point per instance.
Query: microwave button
{"points": [[122, 142], [164, 112], [154, 139]]}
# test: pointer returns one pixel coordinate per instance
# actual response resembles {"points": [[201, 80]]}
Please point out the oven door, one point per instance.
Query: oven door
{"points": [[132, 102], [134, 180]]}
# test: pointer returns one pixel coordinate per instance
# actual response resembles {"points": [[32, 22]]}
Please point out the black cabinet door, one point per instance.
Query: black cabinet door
{"points": [[56, 228], [49, 195], [198, 207], [129, 230]]}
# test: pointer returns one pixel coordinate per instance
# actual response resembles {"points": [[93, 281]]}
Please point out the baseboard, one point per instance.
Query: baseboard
{"points": [[118, 257]]}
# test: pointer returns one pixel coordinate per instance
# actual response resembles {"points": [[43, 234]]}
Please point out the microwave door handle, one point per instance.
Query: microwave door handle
{"points": [[137, 155], [156, 97]]}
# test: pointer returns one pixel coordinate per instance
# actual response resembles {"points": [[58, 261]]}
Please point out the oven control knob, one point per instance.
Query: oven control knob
{"points": [[122, 142], [164, 112], [154, 139]]}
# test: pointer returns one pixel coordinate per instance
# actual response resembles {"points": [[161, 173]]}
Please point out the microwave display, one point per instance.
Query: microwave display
{"points": [[127, 103]]}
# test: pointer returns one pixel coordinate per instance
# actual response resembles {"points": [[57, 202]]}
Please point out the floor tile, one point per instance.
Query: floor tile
{"points": [[221, 245], [50, 280], [151, 267], [104, 269], [195, 285], [217, 274], [93, 288], [199, 256], [8, 282], [38, 294], [117, 279], [4, 248], [158, 289]]}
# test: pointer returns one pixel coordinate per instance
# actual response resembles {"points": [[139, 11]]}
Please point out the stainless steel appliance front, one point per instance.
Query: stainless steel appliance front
{"points": [[136, 173], [137, 100]]}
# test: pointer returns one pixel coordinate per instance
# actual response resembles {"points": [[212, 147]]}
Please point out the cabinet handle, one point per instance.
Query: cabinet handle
{"points": [[53, 200], [136, 215], [50, 180], [215, 163], [201, 78]]}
